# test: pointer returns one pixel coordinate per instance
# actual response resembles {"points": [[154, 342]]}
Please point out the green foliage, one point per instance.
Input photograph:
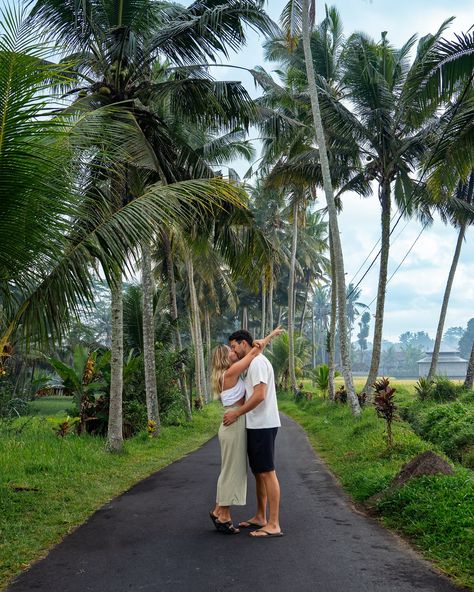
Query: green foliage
{"points": [[11, 405], [424, 388], [321, 377], [440, 389], [279, 357], [448, 425], [435, 512], [75, 476], [445, 390], [169, 395]]}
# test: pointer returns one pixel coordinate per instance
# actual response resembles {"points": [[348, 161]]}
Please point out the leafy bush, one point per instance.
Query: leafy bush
{"points": [[320, 374], [10, 405], [135, 414], [445, 390], [449, 425], [170, 400], [424, 388]]}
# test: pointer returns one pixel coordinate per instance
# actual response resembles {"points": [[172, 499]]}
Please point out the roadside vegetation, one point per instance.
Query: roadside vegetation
{"points": [[49, 484], [436, 514]]}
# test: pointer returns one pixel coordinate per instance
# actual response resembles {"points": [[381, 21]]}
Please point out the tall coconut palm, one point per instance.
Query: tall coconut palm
{"points": [[393, 124], [331, 204], [115, 44], [460, 219]]}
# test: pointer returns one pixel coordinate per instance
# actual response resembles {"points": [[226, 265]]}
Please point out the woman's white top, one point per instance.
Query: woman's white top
{"points": [[233, 394]]}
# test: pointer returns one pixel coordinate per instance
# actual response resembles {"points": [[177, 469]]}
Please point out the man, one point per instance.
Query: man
{"points": [[262, 422]]}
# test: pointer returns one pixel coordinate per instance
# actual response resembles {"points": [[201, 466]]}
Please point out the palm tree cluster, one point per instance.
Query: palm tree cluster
{"points": [[115, 146], [359, 114]]}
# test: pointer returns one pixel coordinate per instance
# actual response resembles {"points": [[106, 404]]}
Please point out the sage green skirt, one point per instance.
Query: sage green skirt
{"points": [[232, 482]]}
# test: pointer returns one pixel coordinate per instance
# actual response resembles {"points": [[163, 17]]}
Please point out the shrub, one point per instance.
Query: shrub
{"points": [[445, 390], [135, 414], [340, 396], [424, 388], [10, 405], [449, 425]]}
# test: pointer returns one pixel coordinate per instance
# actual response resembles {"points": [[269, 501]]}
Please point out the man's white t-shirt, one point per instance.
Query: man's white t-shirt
{"points": [[266, 414]]}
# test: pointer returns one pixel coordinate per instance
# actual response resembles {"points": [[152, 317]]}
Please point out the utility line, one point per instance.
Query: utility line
{"points": [[403, 260]]}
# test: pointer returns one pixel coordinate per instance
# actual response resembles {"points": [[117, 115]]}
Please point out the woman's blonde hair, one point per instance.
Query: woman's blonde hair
{"points": [[220, 363]]}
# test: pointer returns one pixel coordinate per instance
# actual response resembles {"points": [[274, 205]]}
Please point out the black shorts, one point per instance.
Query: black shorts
{"points": [[261, 449]]}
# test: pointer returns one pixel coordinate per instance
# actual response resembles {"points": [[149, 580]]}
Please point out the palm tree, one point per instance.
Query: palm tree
{"points": [[353, 307], [114, 45], [338, 261], [393, 124], [465, 193]]}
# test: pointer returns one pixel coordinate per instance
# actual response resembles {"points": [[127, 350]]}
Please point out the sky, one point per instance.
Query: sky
{"points": [[415, 293]]}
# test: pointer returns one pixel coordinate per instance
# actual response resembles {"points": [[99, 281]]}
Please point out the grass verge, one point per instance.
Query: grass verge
{"points": [[435, 513], [50, 485]]}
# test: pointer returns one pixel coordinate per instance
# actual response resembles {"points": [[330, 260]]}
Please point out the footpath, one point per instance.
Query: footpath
{"points": [[158, 536]]}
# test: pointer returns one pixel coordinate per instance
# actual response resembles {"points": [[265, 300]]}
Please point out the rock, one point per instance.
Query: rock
{"points": [[427, 463]]}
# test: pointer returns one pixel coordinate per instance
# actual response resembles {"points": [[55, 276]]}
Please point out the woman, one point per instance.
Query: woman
{"points": [[229, 387]]}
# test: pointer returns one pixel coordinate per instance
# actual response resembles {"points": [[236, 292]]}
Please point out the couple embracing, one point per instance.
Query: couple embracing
{"points": [[250, 424]]}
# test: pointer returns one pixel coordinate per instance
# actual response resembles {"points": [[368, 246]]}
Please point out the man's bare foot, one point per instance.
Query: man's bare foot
{"points": [[252, 522]]}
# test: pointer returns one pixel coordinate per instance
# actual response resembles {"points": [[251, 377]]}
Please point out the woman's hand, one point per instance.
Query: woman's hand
{"points": [[262, 343], [277, 331]]}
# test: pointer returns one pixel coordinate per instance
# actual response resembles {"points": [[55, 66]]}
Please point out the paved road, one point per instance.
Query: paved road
{"points": [[158, 536]]}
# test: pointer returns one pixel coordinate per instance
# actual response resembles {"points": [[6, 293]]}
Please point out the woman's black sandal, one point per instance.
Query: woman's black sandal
{"points": [[214, 519], [226, 527]]}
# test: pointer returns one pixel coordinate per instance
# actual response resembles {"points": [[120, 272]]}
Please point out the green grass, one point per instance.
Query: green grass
{"points": [[435, 513], [50, 406], [49, 485]]}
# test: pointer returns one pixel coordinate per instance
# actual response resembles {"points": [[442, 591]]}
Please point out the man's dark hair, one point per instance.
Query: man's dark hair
{"points": [[240, 336]]}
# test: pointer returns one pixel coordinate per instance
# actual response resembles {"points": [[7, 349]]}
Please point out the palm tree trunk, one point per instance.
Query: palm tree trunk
{"points": [[444, 306], [204, 388], [291, 301], [264, 309], [305, 306], [245, 320], [149, 342], [115, 426], [382, 286], [332, 326], [193, 315], [174, 316], [270, 305], [207, 326], [470, 371], [313, 340], [332, 212], [198, 345]]}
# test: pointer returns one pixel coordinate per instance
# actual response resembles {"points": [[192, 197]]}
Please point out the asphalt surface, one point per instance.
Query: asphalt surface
{"points": [[158, 536]]}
